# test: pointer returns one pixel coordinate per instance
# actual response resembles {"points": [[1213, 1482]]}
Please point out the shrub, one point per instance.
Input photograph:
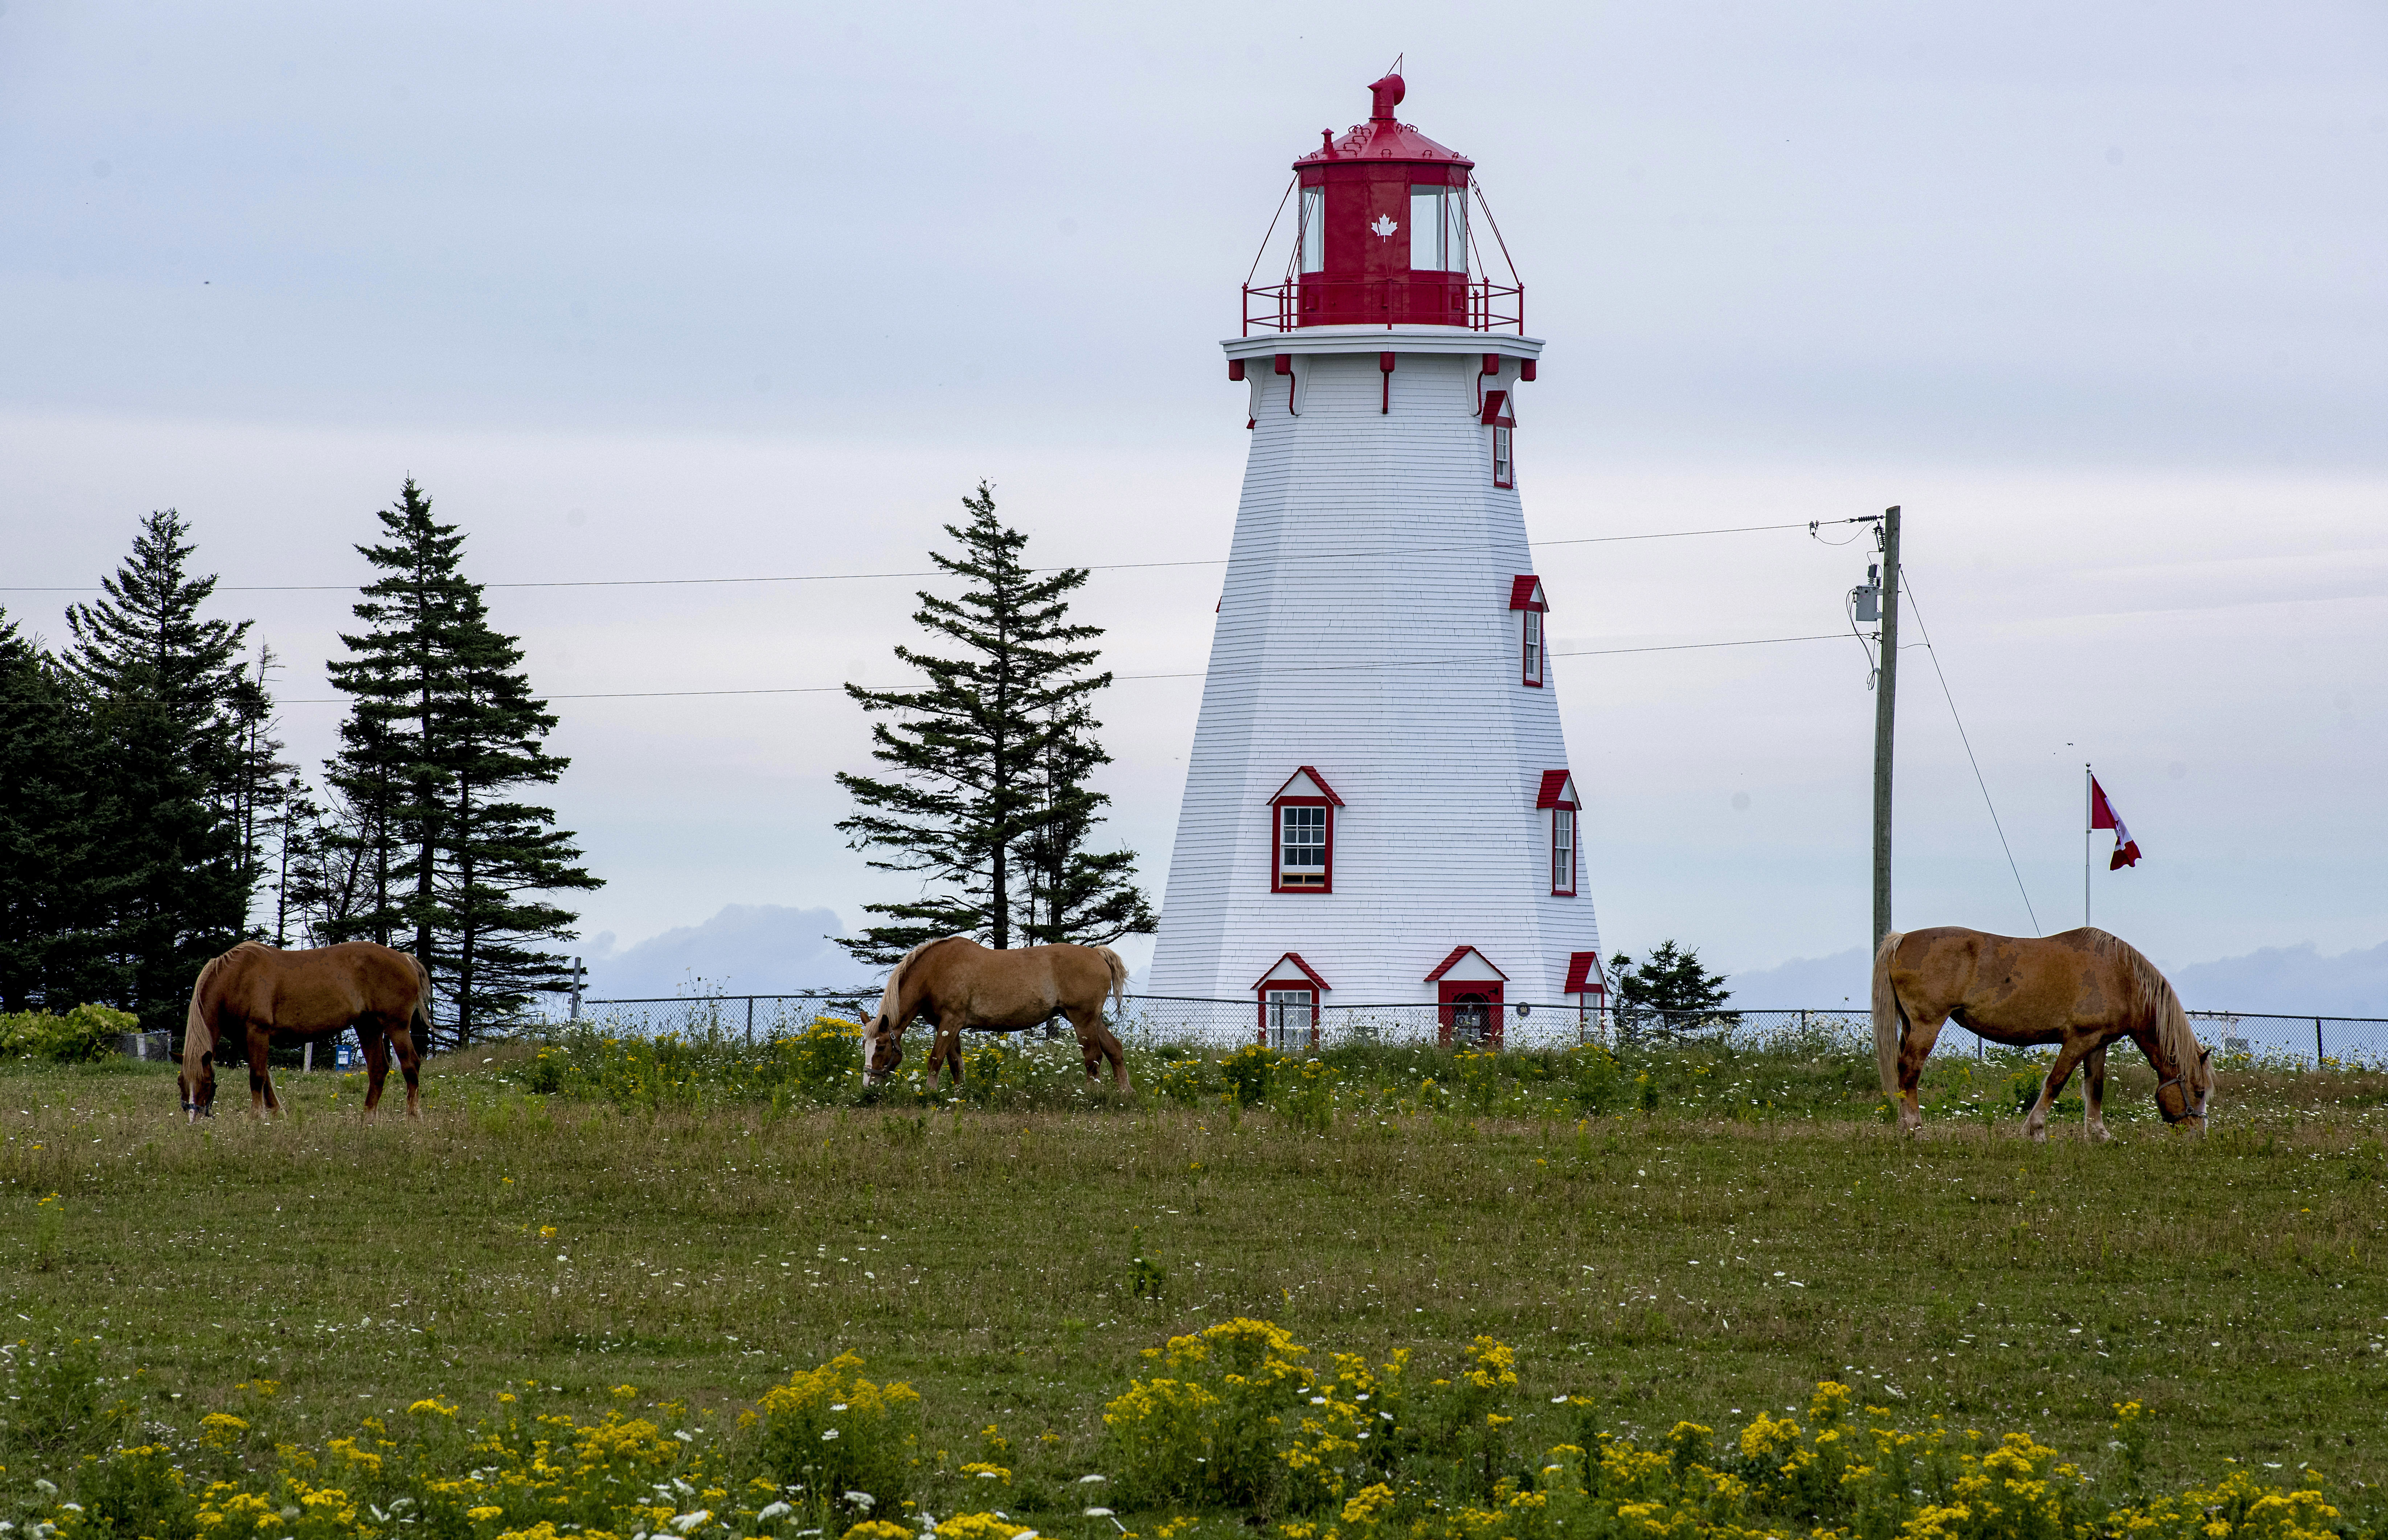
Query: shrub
{"points": [[85, 1033], [1248, 1072], [836, 1435]]}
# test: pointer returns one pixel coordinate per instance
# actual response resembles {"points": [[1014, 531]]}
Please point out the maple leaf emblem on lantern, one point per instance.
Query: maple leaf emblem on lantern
{"points": [[1385, 226]]}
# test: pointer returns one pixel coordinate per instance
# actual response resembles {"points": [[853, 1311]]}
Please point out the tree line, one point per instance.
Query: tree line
{"points": [[150, 821]]}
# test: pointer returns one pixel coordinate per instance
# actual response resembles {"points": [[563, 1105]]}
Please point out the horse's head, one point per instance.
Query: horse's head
{"points": [[2182, 1098], [883, 1047], [199, 1083]]}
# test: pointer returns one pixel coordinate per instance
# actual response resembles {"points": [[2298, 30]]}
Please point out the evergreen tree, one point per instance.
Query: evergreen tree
{"points": [[1670, 979], [49, 944], [982, 755], [161, 684], [1075, 893], [259, 776], [442, 733]]}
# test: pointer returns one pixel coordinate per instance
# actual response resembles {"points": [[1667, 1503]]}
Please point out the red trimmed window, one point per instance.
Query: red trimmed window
{"points": [[1558, 796], [1526, 598], [1288, 1004], [1302, 834], [1468, 990], [1496, 417]]}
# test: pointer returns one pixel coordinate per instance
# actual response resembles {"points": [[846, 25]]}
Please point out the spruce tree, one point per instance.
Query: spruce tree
{"points": [[983, 754], [49, 938], [161, 684], [1672, 979], [259, 776], [441, 734], [1077, 893]]}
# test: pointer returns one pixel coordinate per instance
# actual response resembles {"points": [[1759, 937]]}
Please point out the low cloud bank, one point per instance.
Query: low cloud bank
{"points": [[2282, 980], [745, 949]]}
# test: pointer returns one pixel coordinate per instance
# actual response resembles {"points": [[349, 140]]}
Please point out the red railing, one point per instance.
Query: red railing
{"points": [[1490, 306]]}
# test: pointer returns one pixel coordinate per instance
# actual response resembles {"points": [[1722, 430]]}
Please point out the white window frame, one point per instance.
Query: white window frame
{"points": [[1312, 878], [1505, 465], [1564, 832], [1533, 663], [1313, 235], [1289, 1016]]}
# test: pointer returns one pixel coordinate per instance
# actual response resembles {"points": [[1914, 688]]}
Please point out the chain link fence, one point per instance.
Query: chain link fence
{"points": [[1152, 1021]]}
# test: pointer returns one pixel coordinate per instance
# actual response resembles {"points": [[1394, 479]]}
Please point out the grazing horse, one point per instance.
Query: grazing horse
{"points": [[259, 992], [962, 987], [2082, 990]]}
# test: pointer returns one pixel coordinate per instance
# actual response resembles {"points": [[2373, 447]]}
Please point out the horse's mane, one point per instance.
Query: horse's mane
{"points": [[2150, 999], [896, 977]]}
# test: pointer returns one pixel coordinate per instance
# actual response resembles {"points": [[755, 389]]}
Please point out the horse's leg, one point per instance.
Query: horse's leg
{"points": [[2071, 1055], [2094, 1094], [1097, 1044], [261, 1100], [1915, 1042], [409, 1064], [376, 1047]]}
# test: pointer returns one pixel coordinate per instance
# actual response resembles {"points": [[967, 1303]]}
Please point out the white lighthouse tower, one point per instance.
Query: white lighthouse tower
{"points": [[1379, 806]]}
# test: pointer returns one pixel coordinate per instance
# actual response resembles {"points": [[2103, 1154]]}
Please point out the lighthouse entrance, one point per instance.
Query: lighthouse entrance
{"points": [[1471, 1014]]}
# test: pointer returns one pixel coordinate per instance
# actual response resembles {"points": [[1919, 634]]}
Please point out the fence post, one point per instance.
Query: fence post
{"points": [[2319, 1055], [750, 1021]]}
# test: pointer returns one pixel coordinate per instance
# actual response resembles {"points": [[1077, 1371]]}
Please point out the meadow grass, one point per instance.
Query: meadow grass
{"points": [[1756, 1233]]}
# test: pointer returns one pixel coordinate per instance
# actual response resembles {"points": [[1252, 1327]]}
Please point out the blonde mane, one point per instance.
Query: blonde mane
{"points": [[198, 1033], [2152, 999], [896, 980]]}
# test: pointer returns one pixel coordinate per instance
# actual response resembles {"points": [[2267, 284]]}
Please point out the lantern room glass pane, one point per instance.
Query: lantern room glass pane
{"points": [[1454, 230], [1314, 229], [1427, 229]]}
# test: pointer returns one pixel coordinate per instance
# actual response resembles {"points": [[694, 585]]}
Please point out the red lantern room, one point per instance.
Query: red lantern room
{"points": [[1381, 235]]}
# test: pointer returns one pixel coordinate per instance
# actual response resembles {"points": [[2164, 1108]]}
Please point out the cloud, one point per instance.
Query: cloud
{"points": [[1832, 983], [744, 949], [2289, 980]]}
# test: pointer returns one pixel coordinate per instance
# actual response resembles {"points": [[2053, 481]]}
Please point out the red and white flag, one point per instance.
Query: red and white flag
{"points": [[2103, 816]]}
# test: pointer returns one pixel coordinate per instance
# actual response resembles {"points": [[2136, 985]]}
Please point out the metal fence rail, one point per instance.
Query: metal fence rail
{"points": [[1153, 1020]]}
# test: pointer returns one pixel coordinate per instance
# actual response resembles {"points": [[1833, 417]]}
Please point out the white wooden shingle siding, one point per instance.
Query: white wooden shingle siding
{"points": [[1365, 629]]}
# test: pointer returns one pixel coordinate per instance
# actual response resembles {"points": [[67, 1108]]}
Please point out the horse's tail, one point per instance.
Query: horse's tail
{"points": [[1119, 981], [1886, 1014], [421, 1015]]}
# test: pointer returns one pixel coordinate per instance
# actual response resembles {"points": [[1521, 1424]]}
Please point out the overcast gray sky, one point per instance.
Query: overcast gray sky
{"points": [[2094, 291]]}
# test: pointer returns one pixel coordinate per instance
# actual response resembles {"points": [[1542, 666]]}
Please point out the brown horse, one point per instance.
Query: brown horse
{"points": [[2082, 990], [261, 993], [962, 987]]}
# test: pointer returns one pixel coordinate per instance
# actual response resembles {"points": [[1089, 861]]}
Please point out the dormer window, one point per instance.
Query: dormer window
{"points": [[1526, 600], [1498, 418], [1301, 855], [1557, 800], [1291, 993]]}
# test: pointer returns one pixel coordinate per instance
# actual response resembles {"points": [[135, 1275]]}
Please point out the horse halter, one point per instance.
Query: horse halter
{"points": [[2175, 1086]]}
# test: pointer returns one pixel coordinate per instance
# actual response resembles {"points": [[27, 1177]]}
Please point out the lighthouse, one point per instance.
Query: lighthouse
{"points": [[1378, 806]]}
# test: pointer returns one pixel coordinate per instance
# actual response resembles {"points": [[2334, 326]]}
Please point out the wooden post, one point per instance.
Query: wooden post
{"points": [[1886, 706]]}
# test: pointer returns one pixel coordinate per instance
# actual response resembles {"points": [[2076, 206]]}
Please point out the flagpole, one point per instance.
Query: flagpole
{"points": [[2088, 816]]}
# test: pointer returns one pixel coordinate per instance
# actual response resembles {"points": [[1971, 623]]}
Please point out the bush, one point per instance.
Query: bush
{"points": [[84, 1034], [850, 1444]]}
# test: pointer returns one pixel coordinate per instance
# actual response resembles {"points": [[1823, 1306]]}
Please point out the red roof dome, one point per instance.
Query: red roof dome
{"points": [[1380, 138]]}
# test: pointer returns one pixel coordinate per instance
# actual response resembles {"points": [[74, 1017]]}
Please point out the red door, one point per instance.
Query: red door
{"points": [[1470, 1013]]}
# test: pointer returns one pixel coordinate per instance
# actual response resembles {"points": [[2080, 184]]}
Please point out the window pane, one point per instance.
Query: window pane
{"points": [[1314, 229], [1454, 230], [1425, 227]]}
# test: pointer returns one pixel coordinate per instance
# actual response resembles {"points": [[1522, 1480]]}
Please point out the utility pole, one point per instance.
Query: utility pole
{"points": [[1886, 706]]}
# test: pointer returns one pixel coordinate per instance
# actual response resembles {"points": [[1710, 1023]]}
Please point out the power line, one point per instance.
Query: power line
{"points": [[1198, 673], [863, 577], [1932, 653]]}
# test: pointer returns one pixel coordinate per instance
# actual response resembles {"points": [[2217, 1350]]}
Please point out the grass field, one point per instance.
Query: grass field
{"points": [[1711, 1258]]}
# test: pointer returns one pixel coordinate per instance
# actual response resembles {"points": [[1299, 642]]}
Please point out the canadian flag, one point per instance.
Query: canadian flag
{"points": [[2103, 816]]}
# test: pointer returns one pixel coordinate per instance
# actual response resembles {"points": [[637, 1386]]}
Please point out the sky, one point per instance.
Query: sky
{"points": [[2093, 292]]}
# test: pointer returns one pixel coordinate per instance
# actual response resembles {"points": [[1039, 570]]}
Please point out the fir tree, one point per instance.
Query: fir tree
{"points": [[49, 944], [1672, 979], [982, 754], [259, 776], [441, 732], [1076, 894], [161, 684]]}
